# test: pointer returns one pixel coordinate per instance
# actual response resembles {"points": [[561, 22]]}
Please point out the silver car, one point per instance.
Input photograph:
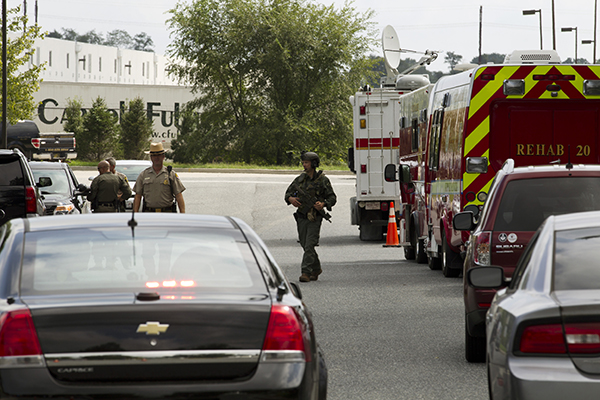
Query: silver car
{"points": [[543, 330], [131, 169]]}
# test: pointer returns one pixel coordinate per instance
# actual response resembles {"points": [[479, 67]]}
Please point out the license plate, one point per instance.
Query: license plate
{"points": [[373, 205], [56, 155]]}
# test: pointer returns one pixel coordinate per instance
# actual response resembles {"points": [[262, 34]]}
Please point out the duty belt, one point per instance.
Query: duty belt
{"points": [[164, 209], [106, 204]]}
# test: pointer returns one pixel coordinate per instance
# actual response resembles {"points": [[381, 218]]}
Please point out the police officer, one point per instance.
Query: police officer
{"points": [[308, 186], [158, 185], [105, 188], [112, 163]]}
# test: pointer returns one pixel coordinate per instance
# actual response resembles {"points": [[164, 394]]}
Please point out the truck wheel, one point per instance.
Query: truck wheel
{"points": [[448, 258], [433, 263], [421, 253], [409, 253]]}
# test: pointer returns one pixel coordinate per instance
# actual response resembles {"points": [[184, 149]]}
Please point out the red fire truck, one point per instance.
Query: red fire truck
{"points": [[531, 109]]}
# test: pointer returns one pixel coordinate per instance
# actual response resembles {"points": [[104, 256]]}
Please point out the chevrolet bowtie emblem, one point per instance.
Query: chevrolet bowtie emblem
{"points": [[152, 328]]}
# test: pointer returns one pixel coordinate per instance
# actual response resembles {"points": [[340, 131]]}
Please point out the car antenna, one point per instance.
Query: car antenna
{"points": [[133, 223], [569, 165]]}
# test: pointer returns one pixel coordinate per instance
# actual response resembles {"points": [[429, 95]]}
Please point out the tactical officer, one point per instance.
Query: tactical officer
{"points": [[158, 185], [112, 167], [311, 192], [105, 188]]}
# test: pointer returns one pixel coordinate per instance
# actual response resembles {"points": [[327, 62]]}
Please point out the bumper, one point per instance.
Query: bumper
{"points": [[54, 156], [542, 378], [274, 380]]}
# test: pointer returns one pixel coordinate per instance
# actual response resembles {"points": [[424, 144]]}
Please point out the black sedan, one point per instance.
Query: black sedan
{"points": [[150, 306], [66, 195]]}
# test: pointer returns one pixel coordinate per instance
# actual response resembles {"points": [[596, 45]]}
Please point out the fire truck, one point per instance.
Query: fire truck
{"points": [[531, 109], [376, 112]]}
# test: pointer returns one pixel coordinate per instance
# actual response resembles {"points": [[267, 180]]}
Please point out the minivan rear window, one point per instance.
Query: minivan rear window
{"points": [[526, 203], [576, 257], [12, 174]]}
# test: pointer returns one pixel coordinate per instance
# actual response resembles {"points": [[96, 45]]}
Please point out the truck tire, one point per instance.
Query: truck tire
{"points": [[449, 259], [409, 253], [434, 263], [421, 256]]}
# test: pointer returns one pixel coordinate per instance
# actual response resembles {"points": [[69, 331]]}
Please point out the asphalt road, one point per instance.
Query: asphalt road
{"points": [[389, 328]]}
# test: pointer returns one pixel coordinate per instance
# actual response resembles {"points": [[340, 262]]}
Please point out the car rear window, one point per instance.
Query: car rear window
{"points": [[11, 172], [526, 203], [112, 260], [60, 181], [576, 258]]}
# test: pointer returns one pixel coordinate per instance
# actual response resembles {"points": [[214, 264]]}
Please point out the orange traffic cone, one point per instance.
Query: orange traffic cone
{"points": [[392, 232]]}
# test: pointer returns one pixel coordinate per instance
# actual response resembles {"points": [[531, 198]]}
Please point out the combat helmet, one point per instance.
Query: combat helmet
{"points": [[312, 157]]}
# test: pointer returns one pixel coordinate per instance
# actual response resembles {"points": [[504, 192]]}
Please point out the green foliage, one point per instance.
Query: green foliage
{"points": [[74, 123], [272, 77], [115, 38], [452, 59], [486, 58], [21, 85], [99, 138], [136, 130]]}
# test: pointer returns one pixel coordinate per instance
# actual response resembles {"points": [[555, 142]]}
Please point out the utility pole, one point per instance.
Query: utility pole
{"points": [[553, 28], [4, 75], [480, 30]]}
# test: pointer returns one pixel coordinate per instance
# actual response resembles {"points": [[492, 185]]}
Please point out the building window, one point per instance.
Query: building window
{"points": [[143, 69], [89, 63], [99, 64], [67, 60], [50, 58], [115, 65]]}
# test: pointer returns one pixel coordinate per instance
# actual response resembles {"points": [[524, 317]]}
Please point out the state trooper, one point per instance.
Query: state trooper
{"points": [[158, 185], [112, 167], [105, 188], [311, 192]]}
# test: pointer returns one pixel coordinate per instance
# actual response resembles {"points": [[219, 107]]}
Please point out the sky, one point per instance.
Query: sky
{"points": [[442, 25]]}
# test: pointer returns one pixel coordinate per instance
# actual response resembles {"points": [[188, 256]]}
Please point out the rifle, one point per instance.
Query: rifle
{"points": [[306, 198]]}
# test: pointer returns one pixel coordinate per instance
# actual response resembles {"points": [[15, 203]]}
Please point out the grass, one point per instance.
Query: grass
{"points": [[337, 167]]}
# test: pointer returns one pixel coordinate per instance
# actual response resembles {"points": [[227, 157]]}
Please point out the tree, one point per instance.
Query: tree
{"points": [[91, 37], [272, 77], [142, 42], [452, 59], [136, 130], [190, 132], [486, 58], [119, 38], [21, 83], [99, 138]]}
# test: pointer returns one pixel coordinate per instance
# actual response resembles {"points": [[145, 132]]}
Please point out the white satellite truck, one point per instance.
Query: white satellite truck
{"points": [[377, 138]]}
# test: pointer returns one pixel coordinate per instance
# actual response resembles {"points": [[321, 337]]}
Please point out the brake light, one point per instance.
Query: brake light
{"points": [[17, 335], [482, 244], [30, 202], [384, 206], [74, 143], [546, 339], [36, 142], [285, 331]]}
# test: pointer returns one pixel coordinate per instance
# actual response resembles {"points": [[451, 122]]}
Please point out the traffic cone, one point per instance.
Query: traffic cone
{"points": [[392, 231]]}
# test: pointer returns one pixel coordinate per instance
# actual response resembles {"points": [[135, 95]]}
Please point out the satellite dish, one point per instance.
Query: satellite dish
{"points": [[391, 49]]}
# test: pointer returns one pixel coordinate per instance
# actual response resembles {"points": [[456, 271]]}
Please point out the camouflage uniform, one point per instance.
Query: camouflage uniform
{"points": [[104, 192], [308, 219]]}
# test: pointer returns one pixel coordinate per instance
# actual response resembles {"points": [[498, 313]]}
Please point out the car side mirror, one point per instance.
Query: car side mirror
{"points": [[463, 221], [389, 173], [44, 181], [486, 277]]}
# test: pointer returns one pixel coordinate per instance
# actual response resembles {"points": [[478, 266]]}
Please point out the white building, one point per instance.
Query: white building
{"points": [[83, 71]]}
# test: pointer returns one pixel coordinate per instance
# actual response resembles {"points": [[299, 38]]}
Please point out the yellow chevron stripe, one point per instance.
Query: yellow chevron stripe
{"points": [[490, 88], [478, 133]]}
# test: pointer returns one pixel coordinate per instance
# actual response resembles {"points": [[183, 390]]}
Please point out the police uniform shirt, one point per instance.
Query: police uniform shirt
{"points": [[156, 188], [105, 188]]}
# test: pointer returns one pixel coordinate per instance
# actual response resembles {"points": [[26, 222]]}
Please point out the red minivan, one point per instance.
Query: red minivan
{"points": [[519, 200]]}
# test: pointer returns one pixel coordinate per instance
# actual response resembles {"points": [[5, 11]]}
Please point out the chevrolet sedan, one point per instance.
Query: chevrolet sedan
{"points": [[543, 330], [175, 306]]}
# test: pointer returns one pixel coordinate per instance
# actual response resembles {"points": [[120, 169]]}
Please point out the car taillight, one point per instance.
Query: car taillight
{"points": [[36, 142], [74, 143], [30, 202], [547, 339], [583, 338], [482, 245], [17, 335], [285, 331]]}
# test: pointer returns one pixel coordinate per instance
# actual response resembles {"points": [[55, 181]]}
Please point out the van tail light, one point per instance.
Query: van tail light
{"points": [[17, 335], [385, 206], [285, 332], [74, 143], [36, 142], [482, 251], [30, 202]]}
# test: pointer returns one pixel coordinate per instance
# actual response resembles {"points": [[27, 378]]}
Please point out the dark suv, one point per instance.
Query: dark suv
{"points": [[519, 200], [66, 195], [19, 194]]}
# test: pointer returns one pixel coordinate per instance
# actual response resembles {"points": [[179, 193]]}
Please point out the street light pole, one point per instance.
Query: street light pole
{"points": [[571, 29], [533, 12], [4, 77]]}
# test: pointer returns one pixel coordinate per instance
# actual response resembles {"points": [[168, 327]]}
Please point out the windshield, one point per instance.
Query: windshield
{"points": [[526, 203], [109, 260], [131, 171], [576, 259], [60, 181]]}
